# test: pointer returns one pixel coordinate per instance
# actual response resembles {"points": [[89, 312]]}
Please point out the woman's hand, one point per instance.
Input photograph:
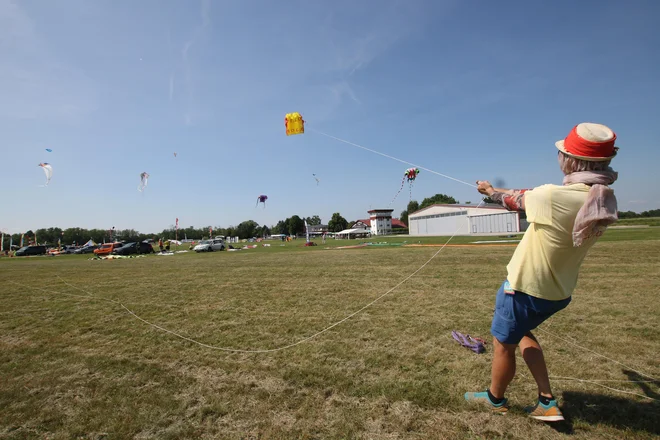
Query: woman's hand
{"points": [[484, 187]]}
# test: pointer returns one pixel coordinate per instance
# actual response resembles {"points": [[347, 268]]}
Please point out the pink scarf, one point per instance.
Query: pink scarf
{"points": [[600, 208]]}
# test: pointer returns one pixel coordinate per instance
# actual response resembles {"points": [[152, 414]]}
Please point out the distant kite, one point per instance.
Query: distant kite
{"points": [[410, 175], [317, 179], [144, 178], [48, 170], [174, 154], [49, 150], [262, 198], [294, 124]]}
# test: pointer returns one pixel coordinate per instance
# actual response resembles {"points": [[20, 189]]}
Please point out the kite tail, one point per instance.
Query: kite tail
{"points": [[403, 182]]}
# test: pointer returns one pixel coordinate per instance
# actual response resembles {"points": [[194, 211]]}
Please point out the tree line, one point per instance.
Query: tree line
{"points": [[294, 225], [643, 214], [247, 229]]}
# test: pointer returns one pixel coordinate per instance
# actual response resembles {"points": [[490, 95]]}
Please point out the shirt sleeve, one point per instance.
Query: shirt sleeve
{"points": [[538, 205], [512, 201]]}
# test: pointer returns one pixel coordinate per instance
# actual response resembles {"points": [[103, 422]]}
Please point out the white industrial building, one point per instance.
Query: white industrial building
{"points": [[464, 220]]}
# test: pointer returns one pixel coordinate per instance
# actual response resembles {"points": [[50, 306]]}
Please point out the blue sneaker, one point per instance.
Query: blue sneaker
{"points": [[546, 413], [483, 399]]}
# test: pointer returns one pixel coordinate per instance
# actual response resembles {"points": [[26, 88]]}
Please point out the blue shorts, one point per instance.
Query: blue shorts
{"points": [[517, 313]]}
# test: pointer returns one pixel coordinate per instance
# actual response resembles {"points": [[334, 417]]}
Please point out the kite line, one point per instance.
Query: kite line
{"points": [[391, 157]]}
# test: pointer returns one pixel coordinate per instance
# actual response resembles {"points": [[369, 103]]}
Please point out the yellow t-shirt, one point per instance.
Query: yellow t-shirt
{"points": [[545, 263]]}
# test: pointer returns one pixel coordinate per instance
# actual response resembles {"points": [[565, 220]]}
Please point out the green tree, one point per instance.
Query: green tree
{"points": [[43, 236], [129, 235], [413, 206], [247, 229], [404, 216], [280, 228], [337, 223], [313, 220], [441, 199], [296, 225], [628, 214], [75, 235]]}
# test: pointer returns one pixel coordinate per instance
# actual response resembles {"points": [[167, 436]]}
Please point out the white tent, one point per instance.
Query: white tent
{"points": [[354, 231]]}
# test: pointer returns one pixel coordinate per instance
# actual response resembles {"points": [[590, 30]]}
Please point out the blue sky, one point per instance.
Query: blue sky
{"points": [[474, 90]]}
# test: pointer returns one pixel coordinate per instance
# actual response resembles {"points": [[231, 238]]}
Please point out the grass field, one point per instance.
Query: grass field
{"points": [[75, 363], [649, 221]]}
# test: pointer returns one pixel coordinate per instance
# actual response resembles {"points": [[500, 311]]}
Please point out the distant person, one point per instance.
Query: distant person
{"points": [[564, 222], [160, 244]]}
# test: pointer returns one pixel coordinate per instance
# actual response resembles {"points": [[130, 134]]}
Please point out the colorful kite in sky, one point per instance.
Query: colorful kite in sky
{"points": [[262, 198], [294, 124], [48, 170], [144, 178], [410, 175]]}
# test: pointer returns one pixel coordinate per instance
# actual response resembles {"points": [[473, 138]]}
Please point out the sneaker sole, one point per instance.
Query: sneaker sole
{"points": [[549, 418]]}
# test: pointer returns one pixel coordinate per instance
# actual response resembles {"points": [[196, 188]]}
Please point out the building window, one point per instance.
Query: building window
{"points": [[445, 214]]}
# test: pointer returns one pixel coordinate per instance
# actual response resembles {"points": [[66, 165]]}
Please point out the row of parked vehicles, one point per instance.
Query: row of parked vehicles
{"points": [[118, 248]]}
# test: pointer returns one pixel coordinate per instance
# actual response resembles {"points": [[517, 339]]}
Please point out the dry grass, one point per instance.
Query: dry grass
{"points": [[73, 365]]}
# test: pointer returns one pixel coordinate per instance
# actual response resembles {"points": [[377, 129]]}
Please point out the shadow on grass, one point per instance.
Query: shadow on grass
{"points": [[617, 412]]}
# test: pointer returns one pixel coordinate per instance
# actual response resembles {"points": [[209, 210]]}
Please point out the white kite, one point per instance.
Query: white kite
{"points": [[48, 170], [144, 177]]}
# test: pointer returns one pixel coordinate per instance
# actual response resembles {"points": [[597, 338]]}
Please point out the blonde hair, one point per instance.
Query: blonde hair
{"points": [[570, 164]]}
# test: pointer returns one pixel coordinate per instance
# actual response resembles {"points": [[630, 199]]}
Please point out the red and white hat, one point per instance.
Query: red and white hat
{"points": [[589, 141]]}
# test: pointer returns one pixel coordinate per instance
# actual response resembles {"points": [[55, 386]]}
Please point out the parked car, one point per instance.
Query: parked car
{"points": [[134, 248], [217, 244], [86, 249], [107, 248], [31, 250]]}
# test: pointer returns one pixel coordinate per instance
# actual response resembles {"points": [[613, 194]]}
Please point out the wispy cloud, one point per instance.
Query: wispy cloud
{"points": [[205, 7], [34, 84], [341, 89], [342, 54]]}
